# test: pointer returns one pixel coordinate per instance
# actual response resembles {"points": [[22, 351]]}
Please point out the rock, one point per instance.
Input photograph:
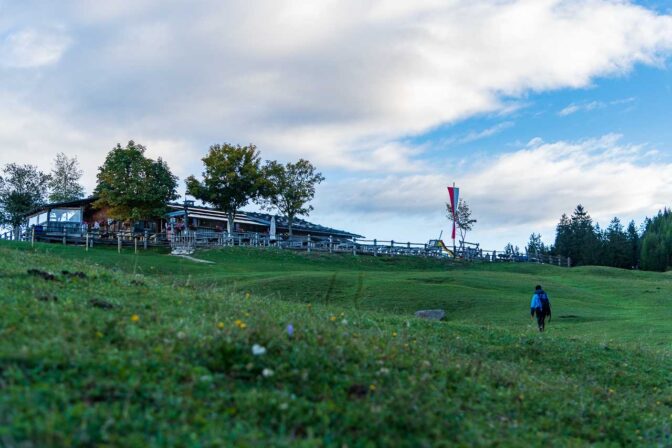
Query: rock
{"points": [[431, 314]]}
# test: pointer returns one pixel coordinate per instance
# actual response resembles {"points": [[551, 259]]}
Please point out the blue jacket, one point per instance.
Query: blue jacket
{"points": [[535, 303]]}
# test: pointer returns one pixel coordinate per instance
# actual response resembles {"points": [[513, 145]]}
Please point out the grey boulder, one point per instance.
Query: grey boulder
{"points": [[431, 314]]}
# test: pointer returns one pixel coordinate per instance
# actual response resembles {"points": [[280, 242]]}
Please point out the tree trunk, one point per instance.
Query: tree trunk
{"points": [[17, 233], [229, 222], [290, 219]]}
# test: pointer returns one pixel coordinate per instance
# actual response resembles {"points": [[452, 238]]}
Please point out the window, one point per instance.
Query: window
{"points": [[66, 215]]}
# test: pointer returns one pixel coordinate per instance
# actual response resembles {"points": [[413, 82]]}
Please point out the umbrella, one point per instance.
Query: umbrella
{"points": [[272, 231]]}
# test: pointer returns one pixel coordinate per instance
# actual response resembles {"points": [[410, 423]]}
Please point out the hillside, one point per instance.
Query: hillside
{"points": [[153, 350]]}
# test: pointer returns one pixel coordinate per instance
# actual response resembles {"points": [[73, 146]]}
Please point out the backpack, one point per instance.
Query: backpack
{"points": [[545, 303]]}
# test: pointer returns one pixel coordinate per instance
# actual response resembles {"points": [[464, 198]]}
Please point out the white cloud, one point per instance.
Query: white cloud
{"points": [[496, 129], [28, 48], [514, 194], [333, 81], [573, 108]]}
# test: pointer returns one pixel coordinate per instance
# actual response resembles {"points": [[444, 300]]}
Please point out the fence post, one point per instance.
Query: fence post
{"points": [[135, 243], [87, 241], [331, 244], [375, 247], [392, 247], [569, 262], [32, 238], [354, 246], [308, 243], [118, 242], [146, 238], [65, 235]]}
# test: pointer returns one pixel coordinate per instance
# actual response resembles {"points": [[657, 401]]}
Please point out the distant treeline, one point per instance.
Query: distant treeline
{"points": [[648, 246]]}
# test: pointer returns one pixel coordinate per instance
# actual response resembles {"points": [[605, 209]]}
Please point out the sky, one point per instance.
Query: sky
{"points": [[529, 106]]}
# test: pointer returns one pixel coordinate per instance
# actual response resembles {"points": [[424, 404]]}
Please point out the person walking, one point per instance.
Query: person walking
{"points": [[541, 307]]}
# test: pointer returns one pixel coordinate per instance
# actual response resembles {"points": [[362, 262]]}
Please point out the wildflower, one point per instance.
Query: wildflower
{"points": [[394, 334], [240, 324], [372, 387], [220, 325], [344, 322], [611, 391], [181, 335], [384, 371], [283, 406], [135, 318], [247, 295], [332, 318], [290, 330], [99, 334], [258, 350], [267, 372]]}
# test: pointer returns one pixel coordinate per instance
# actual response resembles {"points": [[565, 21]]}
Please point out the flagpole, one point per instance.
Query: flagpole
{"points": [[454, 213]]}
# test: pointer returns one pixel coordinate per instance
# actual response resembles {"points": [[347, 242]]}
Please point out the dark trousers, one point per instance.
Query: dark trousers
{"points": [[541, 317]]}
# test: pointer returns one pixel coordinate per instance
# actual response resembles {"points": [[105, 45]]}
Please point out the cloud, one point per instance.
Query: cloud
{"points": [[29, 48], [331, 81], [473, 136], [592, 105], [515, 193], [573, 108]]}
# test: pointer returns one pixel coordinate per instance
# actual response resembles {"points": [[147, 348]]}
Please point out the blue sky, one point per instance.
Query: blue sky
{"points": [[531, 106]]}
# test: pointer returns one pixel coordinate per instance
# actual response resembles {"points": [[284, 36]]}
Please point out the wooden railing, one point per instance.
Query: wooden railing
{"points": [[188, 241]]}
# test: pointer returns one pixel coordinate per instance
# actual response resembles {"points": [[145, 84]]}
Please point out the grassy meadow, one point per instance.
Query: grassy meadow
{"points": [[155, 350]]}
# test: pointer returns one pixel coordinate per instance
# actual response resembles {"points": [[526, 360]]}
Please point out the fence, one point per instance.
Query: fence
{"points": [[187, 242]]}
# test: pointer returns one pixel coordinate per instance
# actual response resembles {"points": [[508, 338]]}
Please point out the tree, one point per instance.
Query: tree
{"points": [[462, 218], [290, 188], [617, 252], [656, 242], [132, 186], [231, 179], [64, 182], [633, 243], [22, 188], [535, 246]]}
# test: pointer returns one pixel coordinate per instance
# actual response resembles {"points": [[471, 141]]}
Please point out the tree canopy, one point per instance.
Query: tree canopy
{"points": [[232, 177], [462, 218], [22, 189], [291, 187], [132, 186], [64, 182]]}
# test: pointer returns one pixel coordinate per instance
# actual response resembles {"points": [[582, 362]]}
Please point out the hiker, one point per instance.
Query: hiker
{"points": [[541, 306]]}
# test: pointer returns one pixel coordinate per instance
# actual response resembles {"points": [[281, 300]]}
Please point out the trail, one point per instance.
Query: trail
{"points": [[197, 260]]}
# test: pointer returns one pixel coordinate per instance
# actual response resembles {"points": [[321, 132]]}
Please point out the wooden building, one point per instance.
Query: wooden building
{"points": [[81, 216]]}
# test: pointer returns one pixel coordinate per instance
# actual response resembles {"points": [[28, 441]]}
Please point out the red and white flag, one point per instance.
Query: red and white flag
{"points": [[454, 194]]}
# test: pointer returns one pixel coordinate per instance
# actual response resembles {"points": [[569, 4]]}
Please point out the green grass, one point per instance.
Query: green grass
{"points": [[360, 370]]}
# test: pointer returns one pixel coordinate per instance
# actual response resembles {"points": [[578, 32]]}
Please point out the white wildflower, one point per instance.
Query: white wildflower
{"points": [[258, 350], [267, 372]]}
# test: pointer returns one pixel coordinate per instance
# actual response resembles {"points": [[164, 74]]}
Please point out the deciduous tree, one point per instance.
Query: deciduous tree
{"points": [[132, 186], [462, 218], [290, 188], [22, 189], [64, 183], [232, 177]]}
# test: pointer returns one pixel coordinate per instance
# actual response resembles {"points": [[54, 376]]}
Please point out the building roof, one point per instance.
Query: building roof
{"points": [[64, 204], [300, 225]]}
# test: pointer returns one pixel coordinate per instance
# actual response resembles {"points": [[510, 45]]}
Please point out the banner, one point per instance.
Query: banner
{"points": [[454, 194]]}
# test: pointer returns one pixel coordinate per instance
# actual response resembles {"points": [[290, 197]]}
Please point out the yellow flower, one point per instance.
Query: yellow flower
{"points": [[220, 325], [247, 295], [332, 318], [394, 334], [372, 387], [99, 334], [135, 318], [240, 324], [243, 326]]}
